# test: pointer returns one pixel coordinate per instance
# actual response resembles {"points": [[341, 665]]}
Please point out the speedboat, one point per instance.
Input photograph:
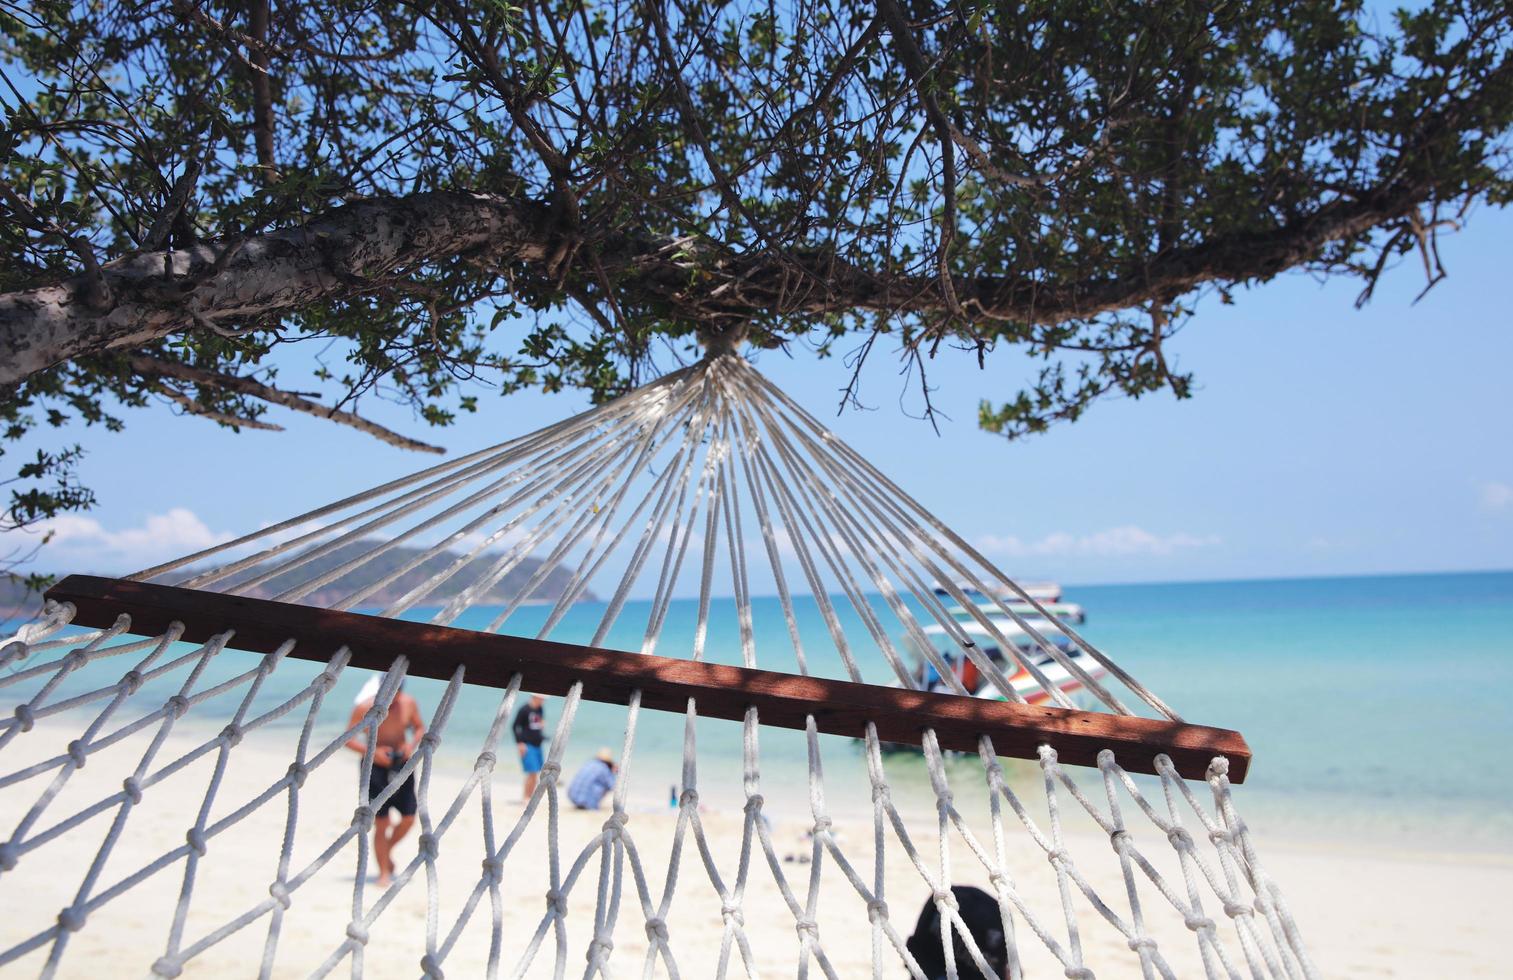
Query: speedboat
{"points": [[1046, 594], [1009, 646], [1026, 650]]}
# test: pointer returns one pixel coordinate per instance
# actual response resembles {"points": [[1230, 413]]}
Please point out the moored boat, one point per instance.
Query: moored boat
{"points": [[1047, 595], [1060, 670]]}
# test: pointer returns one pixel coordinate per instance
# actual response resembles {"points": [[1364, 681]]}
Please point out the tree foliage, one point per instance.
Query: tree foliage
{"points": [[1062, 178]]}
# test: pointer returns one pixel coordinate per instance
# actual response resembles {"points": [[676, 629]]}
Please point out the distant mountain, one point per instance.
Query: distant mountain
{"points": [[377, 567], [15, 602], [551, 588]]}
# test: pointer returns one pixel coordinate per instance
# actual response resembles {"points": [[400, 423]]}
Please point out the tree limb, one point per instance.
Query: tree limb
{"points": [[273, 273], [153, 367], [345, 250], [262, 92], [194, 407]]}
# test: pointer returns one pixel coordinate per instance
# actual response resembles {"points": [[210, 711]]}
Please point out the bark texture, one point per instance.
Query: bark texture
{"points": [[153, 294], [346, 250]]}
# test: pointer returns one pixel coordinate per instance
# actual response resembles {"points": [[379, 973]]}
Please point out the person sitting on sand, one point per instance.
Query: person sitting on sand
{"points": [[593, 781], [980, 912], [397, 737], [530, 732]]}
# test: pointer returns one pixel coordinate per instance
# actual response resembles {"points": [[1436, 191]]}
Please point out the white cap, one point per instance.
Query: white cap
{"points": [[369, 690]]}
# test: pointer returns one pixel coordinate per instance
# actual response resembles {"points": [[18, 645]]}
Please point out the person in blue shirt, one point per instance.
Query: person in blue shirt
{"points": [[530, 732], [593, 781]]}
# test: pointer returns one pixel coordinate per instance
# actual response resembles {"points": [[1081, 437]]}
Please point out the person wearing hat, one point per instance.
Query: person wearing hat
{"points": [[396, 739], [593, 781]]}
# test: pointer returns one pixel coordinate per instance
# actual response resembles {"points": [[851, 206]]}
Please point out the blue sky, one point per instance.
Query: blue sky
{"points": [[1321, 440]]}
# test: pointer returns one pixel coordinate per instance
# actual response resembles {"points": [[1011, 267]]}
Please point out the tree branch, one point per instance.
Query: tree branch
{"points": [[262, 92], [334, 255], [350, 248], [914, 64], [153, 367], [193, 407]]}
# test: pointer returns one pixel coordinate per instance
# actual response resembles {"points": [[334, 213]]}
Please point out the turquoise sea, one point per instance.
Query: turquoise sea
{"points": [[1378, 708]]}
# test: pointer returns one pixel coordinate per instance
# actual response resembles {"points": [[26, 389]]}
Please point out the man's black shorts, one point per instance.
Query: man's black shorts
{"points": [[403, 800]]}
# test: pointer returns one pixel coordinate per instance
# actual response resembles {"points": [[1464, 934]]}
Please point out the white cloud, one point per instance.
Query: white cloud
{"points": [[1124, 541], [1495, 496], [84, 544]]}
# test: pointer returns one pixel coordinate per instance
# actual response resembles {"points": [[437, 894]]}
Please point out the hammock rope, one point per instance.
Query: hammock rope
{"points": [[654, 491]]}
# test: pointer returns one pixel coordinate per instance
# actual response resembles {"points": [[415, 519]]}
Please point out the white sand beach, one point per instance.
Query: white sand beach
{"points": [[1364, 914]]}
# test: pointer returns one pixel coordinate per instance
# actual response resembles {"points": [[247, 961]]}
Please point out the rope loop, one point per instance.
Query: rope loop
{"points": [[1180, 838], [614, 827], [362, 818], [167, 967], [280, 892], [78, 753], [1105, 759], [132, 787], [493, 871], [297, 773], [9, 855], [689, 798], [176, 706], [196, 839], [232, 735], [556, 904], [486, 762], [430, 968], [1218, 767], [428, 846], [25, 717], [72, 918], [357, 932], [656, 930], [130, 682]]}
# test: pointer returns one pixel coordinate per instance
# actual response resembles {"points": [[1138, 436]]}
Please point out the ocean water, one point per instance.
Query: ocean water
{"points": [[1378, 708]]}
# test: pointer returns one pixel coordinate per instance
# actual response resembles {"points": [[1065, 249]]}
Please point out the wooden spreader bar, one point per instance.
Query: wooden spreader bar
{"points": [[782, 700]]}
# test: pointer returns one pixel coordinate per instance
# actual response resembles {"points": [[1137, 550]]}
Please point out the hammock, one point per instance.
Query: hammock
{"points": [[693, 483]]}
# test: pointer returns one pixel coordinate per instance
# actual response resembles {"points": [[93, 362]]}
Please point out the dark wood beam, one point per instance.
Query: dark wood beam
{"points": [[782, 700]]}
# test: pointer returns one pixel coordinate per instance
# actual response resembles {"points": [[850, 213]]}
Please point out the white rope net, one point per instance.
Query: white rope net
{"points": [[265, 871]]}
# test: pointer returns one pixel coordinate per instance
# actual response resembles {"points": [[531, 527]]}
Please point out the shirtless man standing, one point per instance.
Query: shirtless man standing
{"points": [[398, 736]]}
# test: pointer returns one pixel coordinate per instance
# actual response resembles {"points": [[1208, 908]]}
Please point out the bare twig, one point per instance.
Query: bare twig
{"points": [[153, 367]]}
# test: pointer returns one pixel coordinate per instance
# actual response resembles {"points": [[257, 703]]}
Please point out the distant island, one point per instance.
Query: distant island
{"points": [[13, 595]]}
